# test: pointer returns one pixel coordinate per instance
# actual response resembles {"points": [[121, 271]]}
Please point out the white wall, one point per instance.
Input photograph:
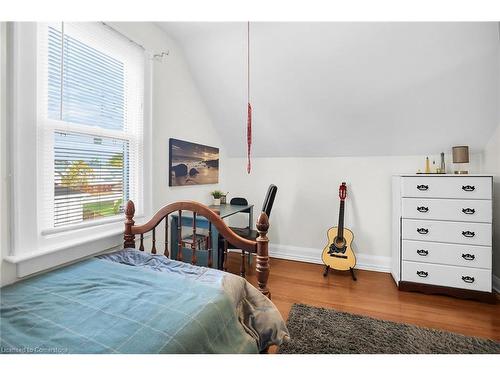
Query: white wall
{"points": [[389, 88], [7, 270], [491, 164], [307, 201], [178, 112]]}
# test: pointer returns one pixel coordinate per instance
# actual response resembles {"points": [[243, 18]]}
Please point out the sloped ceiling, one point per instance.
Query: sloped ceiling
{"points": [[347, 89]]}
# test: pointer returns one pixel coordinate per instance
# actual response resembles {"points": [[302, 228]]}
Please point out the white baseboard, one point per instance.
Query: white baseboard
{"points": [[310, 255], [496, 283]]}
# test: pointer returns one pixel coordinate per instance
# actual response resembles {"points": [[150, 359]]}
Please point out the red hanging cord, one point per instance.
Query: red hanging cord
{"points": [[249, 118]]}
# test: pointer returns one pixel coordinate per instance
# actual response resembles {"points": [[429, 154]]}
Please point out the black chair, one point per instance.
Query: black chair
{"points": [[247, 232], [237, 201]]}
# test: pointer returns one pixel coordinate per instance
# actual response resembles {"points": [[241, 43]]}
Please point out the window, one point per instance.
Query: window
{"points": [[91, 177], [90, 124]]}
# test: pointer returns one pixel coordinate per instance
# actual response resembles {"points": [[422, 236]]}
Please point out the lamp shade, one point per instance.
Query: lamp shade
{"points": [[460, 154]]}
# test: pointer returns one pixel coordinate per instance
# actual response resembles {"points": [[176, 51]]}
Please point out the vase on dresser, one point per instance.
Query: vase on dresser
{"points": [[442, 235]]}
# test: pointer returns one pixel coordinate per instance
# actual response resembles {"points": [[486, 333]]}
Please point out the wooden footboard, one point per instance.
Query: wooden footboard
{"points": [[260, 246]]}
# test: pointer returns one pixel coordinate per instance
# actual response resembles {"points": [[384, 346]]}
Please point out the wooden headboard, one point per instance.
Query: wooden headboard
{"points": [[260, 246]]}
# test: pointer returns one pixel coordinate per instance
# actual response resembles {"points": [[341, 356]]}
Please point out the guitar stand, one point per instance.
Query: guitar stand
{"points": [[327, 268], [352, 274]]}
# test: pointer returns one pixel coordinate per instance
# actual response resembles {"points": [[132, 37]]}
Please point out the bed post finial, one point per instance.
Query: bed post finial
{"points": [[262, 267], [129, 237]]}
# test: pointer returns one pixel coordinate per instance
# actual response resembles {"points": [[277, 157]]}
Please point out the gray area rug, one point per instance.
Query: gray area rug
{"points": [[317, 330]]}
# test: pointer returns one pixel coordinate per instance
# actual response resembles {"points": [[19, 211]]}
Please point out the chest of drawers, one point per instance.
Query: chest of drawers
{"points": [[442, 234]]}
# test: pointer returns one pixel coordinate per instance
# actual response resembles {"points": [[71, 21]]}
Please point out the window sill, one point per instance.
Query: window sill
{"points": [[36, 254], [45, 259], [83, 225]]}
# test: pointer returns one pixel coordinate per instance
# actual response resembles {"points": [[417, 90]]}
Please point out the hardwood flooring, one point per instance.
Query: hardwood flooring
{"points": [[374, 294]]}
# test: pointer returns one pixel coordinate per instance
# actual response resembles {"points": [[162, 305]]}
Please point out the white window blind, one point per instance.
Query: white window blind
{"points": [[90, 123]]}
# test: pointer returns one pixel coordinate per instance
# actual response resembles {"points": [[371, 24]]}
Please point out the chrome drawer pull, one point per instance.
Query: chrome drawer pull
{"points": [[423, 252], [468, 279], [422, 274], [423, 209], [468, 233], [468, 188], [468, 211], [423, 187], [468, 256], [422, 230]]}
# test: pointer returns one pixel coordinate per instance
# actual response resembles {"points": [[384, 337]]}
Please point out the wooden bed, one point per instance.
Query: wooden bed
{"points": [[132, 301], [258, 247]]}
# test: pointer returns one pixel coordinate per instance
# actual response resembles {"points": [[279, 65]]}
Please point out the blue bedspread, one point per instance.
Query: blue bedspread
{"points": [[103, 306]]}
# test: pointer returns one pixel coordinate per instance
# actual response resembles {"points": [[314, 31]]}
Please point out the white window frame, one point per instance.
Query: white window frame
{"points": [[28, 240], [47, 128]]}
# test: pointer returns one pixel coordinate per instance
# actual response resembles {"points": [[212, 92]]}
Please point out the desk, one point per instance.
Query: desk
{"points": [[224, 211]]}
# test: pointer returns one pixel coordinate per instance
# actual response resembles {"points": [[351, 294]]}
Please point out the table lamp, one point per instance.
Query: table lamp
{"points": [[460, 156]]}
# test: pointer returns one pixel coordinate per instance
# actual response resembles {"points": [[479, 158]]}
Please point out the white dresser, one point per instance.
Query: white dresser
{"points": [[442, 234]]}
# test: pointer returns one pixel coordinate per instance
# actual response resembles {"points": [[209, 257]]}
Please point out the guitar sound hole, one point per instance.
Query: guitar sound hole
{"points": [[339, 242], [338, 245]]}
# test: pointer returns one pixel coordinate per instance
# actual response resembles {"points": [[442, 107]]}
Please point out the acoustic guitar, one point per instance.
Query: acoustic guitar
{"points": [[338, 253]]}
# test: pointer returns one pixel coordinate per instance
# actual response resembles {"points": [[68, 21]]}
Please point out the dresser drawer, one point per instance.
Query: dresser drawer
{"points": [[447, 209], [447, 231], [451, 254], [447, 187], [451, 276]]}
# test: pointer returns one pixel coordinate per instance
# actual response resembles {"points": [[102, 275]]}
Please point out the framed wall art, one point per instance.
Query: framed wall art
{"points": [[192, 163]]}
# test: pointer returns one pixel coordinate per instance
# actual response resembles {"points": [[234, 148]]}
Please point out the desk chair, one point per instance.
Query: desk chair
{"points": [[247, 232]]}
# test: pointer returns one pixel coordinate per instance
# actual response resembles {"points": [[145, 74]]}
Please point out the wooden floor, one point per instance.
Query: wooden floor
{"points": [[374, 294]]}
